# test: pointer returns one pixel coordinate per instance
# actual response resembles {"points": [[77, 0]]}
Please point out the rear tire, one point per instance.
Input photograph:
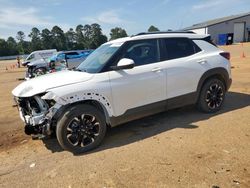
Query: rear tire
{"points": [[212, 96], [81, 128]]}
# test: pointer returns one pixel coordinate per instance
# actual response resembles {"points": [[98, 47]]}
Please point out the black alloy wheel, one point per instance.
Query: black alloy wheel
{"points": [[81, 128], [212, 96]]}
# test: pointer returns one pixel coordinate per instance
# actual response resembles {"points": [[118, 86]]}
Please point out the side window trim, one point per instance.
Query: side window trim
{"points": [[164, 53]]}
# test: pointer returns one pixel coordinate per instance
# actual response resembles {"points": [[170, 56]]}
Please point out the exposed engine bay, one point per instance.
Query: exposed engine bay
{"points": [[37, 114]]}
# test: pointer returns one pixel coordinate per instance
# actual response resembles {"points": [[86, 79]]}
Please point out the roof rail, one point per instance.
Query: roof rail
{"points": [[163, 32]]}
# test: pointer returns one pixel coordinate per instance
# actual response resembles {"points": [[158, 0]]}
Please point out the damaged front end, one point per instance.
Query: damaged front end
{"points": [[38, 114]]}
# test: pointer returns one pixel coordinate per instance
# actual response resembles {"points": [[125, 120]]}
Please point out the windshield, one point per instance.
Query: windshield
{"points": [[31, 56], [97, 60], [55, 56]]}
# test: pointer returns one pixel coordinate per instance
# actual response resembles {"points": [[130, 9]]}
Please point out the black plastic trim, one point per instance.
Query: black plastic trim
{"points": [[154, 108], [164, 32], [207, 39], [221, 72], [123, 67]]}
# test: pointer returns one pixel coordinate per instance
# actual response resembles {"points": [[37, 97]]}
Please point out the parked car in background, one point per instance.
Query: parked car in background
{"points": [[37, 68], [71, 58], [57, 62], [36, 55]]}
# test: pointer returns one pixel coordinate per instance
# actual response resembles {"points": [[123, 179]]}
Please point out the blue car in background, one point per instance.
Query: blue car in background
{"points": [[59, 61], [70, 58]]}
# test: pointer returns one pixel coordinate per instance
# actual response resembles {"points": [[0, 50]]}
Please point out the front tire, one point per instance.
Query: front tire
{"points": [[39, 72], [212, 96], [81, 128]]}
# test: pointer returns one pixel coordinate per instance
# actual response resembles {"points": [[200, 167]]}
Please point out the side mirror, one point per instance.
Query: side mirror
{"points": [[124, 64]]}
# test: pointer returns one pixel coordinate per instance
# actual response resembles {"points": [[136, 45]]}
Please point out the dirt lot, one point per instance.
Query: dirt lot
{"points": [[179, 148]]}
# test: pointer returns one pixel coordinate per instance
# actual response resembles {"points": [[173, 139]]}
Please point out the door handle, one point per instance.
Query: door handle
{"points": [[157, 69], [202, 61]]}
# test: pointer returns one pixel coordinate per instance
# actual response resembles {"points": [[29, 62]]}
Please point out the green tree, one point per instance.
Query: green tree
{"points": [[153, 29], [80, 43], [59, 40], [26, 47], [87, 32], [70, 39], [87, 36], [12, 46], [96, 36], [117, 33], [35, 36], [46, 39], [20, 37], [4, 51]]}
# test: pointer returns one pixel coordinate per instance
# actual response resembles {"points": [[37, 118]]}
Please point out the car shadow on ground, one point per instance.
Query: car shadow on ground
{"points": [[137, 130]]}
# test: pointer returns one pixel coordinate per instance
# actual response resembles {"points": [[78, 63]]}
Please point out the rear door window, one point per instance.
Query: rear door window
{"points": [[73, 55], [179, 47]]}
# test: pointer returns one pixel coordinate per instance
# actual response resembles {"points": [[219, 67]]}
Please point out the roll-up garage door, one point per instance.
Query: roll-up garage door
{"points": [[239, 30]]}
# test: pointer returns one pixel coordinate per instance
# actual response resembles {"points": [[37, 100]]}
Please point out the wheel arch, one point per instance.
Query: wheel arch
{"points": [[97, 104], [219, 73]]}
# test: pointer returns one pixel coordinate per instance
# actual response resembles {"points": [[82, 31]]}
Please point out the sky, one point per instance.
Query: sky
{"points": [[134, 16]]}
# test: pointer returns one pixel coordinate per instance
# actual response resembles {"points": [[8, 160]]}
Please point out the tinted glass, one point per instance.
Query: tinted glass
{"points": [[61, 56], [179, 47], [142, 52], [32, 56], [71, 53]]}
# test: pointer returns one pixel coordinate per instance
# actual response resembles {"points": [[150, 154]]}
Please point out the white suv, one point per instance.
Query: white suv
{"points": [[124, 80]]}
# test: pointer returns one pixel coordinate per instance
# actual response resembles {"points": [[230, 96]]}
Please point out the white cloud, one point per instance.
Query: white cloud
{"points": [[207, 4], [13, 19], [212, 3], [107, 17], [13, 16]]}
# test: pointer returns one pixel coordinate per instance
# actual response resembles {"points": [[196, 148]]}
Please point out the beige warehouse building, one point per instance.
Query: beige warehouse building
{"points": [[226, 30]]}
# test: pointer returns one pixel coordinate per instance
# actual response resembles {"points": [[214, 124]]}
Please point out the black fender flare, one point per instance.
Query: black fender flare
{"points": [[220, 73]]}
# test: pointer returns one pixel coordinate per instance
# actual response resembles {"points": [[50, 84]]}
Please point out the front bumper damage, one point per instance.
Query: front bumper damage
{"points": [[37, 114]]}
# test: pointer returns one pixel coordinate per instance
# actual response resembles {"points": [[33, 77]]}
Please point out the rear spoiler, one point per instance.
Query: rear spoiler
{"points": [[209, 40]]}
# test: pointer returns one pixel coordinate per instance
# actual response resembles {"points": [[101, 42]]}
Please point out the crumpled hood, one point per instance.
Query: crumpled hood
{"points": [[43, 83]]}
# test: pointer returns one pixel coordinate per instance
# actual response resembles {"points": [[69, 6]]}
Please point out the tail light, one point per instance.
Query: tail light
{"points": [[225, 55]]}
